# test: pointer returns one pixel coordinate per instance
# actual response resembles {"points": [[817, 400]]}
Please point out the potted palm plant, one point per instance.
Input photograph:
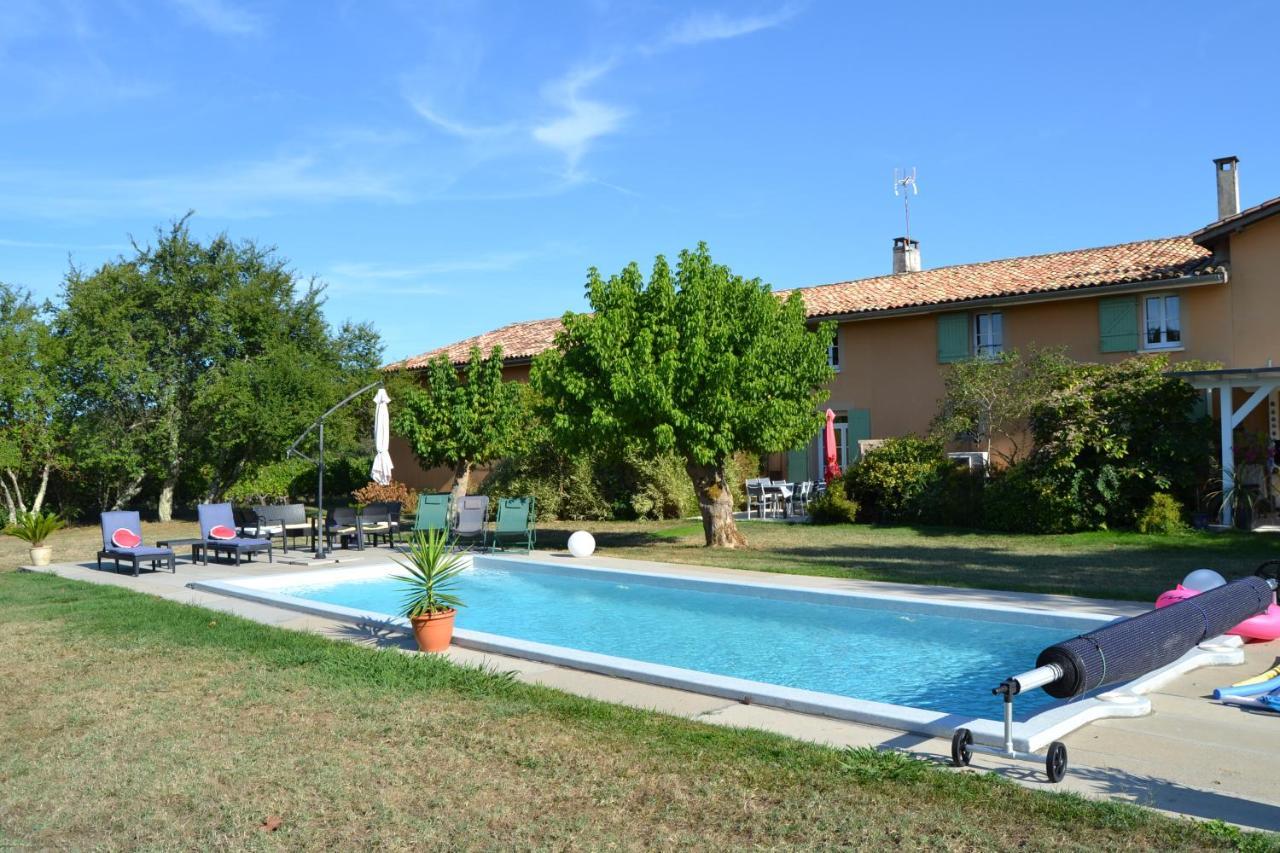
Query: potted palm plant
{"points": [[34, 528], [1240, 495], [430, 604]]}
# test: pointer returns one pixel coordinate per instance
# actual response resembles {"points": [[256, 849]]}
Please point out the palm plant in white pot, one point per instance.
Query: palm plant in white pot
{"points": [[35, 528]]}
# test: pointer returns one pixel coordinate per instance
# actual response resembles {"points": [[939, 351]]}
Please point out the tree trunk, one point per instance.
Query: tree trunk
{"points": [[461, 481], [10, 510], [164, 507], [127, 493], [38, 501], [715, 501]]}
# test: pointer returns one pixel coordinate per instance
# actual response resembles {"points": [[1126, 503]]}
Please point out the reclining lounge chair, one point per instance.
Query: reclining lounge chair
{"points": [[218, 535], [514, 523], [122, 540]]}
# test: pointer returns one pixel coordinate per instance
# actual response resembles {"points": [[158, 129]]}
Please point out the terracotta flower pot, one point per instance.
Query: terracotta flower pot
{"points": [[433, 631], [41, 556]]}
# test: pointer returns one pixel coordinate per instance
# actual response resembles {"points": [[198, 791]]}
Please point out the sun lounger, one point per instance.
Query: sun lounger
{"points": [[514, 522], [218, 520], [134, 552], [471, 523], [433, 513]]}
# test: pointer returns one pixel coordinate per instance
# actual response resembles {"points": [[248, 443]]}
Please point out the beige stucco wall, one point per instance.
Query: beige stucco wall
{"points": [[1255, 300]]}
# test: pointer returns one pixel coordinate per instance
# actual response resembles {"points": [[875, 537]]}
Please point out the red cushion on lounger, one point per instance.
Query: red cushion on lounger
{"points": [[221, 531], [125, 538]]}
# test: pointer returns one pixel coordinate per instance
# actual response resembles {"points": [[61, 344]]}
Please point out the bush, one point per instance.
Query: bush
{"points": [[392, 492], [1162, 515], [893, 482], [271, 484], [833, 507], [1020, 499]]}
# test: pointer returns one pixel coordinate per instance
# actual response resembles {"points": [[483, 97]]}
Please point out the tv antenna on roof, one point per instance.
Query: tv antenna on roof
{"points": [[905, 185]]}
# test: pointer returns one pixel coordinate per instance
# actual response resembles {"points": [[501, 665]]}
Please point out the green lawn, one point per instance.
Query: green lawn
{"points": [[1106, 564], [135, 722]]}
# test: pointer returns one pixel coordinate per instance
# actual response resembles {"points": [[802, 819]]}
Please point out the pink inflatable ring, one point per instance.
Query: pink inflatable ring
{"points": [[1265, 626]]}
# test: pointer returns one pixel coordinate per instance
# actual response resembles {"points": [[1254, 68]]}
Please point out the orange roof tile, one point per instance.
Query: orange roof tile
{"points": [[1145, 260]]}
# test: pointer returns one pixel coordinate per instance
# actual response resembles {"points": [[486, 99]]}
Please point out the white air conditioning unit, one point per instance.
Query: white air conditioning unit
{"points": [[974, 461]]}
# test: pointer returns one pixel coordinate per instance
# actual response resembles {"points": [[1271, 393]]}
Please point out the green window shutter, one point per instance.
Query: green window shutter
{"points": [[859, 429], [798, 465], [953, 337], [1118, 324]]}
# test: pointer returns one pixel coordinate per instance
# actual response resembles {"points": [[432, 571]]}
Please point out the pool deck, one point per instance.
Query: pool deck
{"points": [[1190, 756]]}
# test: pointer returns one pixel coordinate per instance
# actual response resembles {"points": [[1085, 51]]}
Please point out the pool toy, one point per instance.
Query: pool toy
{"points": [[1265, 626], [1262, 676], [1271, 684]]}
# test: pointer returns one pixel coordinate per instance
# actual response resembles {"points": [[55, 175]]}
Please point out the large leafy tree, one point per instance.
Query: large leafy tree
{"points": [[28, 403], [189, 362], [461, 418], [701, 362]]}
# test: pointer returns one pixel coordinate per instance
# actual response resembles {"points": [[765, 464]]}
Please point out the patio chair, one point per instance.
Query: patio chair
{"points": [[343, 523], [291, 519], [433, 513], [376, 524], [514, 522], [257, 523], [219, 519], [391, 511], [471, 523], [130, 522], [759, 497]]}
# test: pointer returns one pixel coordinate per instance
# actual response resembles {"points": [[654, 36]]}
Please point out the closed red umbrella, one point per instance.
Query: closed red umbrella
{"points": [[832, 468]]}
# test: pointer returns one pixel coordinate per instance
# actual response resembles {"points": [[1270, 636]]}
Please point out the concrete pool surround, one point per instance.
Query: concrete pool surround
{"points": [[1128, 700]]}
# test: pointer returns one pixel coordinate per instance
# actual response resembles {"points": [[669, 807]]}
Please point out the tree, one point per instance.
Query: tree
{"points": [[28, 403], [988, 400], [188, 362], [461, 418], [704, 363]]}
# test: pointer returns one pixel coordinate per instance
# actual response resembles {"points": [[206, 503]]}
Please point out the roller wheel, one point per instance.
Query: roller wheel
{"points": [[1055, 763], [961, 748], [1269, 569]]}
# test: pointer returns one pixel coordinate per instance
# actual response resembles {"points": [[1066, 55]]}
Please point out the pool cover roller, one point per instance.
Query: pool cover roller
{"points": [[1129, 648], [1122, 651]]}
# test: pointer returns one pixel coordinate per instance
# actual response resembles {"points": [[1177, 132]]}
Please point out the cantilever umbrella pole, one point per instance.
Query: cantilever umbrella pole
{"points": [[318, 425]]}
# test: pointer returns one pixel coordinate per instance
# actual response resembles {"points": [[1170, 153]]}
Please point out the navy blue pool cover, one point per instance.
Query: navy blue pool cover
{"points": [[1131, 648]]}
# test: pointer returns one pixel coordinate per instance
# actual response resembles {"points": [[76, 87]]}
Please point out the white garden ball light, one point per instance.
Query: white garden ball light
{"points": [[1203, 580], [582, 544]]}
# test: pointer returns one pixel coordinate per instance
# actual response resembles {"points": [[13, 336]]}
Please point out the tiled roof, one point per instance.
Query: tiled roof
{"points": [[1236, 221], [518, 341], [1146, 260]]}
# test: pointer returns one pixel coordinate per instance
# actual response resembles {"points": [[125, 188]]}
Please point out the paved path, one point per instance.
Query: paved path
{"points": [[1191, 756]]}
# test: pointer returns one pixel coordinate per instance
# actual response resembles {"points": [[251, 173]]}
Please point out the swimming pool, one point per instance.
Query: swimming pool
{"points": [[924, 666]]}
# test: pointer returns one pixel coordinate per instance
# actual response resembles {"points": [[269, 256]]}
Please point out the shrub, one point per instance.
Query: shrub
{"points": [[833, 507], [1019, 499], [955, 498], [892, 482], [272, 483], [392, 492], [1162, 515]]}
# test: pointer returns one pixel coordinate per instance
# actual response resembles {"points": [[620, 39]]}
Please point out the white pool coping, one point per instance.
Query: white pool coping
{"points": [[1029, 735]]}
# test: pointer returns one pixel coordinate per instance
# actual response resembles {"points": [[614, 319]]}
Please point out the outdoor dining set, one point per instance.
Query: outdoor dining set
{"points": [[234, 533], [778, 498]]}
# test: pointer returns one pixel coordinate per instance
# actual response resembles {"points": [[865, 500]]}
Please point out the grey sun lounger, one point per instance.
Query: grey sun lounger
{"points": [[221, 515], [471, 523], [140, 553]]}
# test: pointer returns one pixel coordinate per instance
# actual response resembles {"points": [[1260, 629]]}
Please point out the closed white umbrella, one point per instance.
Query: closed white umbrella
{"points": [[381, 472]]}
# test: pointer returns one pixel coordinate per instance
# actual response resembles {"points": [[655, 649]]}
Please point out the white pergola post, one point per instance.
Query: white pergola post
{"points": [[1225, 420]]}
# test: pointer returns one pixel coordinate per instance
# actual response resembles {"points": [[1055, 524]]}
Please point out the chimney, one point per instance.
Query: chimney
{"points": [[1228, 186], [906, 255]]}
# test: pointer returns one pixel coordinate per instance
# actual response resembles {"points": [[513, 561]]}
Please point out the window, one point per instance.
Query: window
{"points": [[988, 334], [1163, 323], [833, 350]]}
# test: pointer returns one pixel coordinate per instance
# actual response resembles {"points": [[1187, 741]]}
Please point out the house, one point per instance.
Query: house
{"points": [[1209, 295]]}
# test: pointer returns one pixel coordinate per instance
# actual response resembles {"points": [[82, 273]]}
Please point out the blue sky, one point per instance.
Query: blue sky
{"points": [[449, 167]]}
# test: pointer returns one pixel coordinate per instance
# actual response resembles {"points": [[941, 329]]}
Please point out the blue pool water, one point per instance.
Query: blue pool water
{"points": [[922, 660]]}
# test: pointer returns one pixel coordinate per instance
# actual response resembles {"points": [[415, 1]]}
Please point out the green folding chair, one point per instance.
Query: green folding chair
{"points": [[514, 522], [433, 513]]}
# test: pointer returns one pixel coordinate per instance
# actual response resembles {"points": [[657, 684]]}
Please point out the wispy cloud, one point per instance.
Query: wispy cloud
{"points": [[222, 17], [702, 27], [455, 127], [582, 120], [418, 279]]}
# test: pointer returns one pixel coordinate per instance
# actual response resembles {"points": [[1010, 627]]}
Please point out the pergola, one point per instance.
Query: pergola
{"points": [[1261, 381]]}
